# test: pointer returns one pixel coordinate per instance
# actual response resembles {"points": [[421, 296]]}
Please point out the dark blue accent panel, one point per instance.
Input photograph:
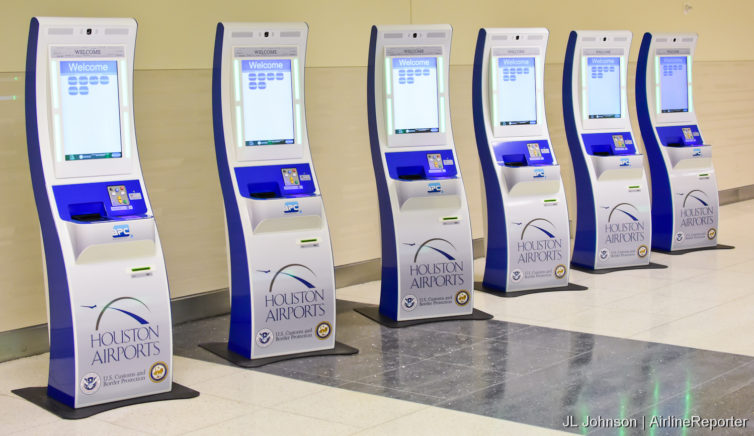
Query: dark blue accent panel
{"points": [[604, 143], [62, 375], [585, 240], [240, 287], [389, 287], [407, 163], [269, 178], [518, 152], [662, 199], [496, 266], [80, 198], [59, 395], [672, 136]]}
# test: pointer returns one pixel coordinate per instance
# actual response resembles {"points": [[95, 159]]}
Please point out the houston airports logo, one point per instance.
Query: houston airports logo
{"points": [[128, 311], [123, 332], [538, 243], [697, 211], [434, 265], [623, 226], [293, 295]]}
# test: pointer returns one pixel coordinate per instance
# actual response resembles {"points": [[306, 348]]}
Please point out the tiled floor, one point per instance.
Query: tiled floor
{"points": [[546, 356]]}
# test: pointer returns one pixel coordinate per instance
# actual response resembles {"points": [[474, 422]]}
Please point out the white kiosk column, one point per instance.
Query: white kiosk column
{"points": [[107, 289], [282, 278], [613, 218], [685, 203], [427, 256], [526, 222]]}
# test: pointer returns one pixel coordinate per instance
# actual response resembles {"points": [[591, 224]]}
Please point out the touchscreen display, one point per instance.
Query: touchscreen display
{"points": [[674, 91], [267, 102], [516, 91], [415, 100], [90, 109], [603, 83]]}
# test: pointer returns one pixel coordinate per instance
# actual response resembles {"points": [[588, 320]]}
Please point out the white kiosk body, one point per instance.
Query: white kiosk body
{"points": [[427, 257], [685, 202], [282, 278], [107, 289], [526, 221], [613, 218]]}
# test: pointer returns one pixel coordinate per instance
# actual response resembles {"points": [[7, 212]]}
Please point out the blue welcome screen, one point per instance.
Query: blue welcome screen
{"points": [[603, 82], [517, 91], [415, 95], [90, 109], [267, 102], [674, 91]]}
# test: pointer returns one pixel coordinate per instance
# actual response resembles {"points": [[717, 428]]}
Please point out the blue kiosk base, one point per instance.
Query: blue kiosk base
{"points": [[373, 313], [479, 286], [38, 396], [221, 349], [651, 265], [691, 250]]}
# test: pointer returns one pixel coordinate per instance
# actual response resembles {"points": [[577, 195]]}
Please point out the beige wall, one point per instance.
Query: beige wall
{"points": [[173, 119]]}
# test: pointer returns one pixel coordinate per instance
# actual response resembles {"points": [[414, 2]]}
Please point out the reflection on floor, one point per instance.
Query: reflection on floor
{"points": [[528, 374]]}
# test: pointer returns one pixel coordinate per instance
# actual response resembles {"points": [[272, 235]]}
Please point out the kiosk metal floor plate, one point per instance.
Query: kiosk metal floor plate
{"points": [[651, 265], [478, 286], [373, 313], [38, 396], [221, 349], [691, 250]]}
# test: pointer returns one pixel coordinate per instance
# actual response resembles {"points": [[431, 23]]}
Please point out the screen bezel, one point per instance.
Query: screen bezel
{"points": [[517, 130], [89, 167], [415, 139], [672, 117], [602, 123], [265, 152]]}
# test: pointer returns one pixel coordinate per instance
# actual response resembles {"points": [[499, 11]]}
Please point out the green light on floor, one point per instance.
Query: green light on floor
{"points": [[14, 98]]}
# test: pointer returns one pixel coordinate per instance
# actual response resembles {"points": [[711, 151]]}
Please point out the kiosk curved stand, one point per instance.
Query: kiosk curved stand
{"points": [[427, 258], [282, 279], [685, 204], [613, 219], [107, 289], [526, 222]]}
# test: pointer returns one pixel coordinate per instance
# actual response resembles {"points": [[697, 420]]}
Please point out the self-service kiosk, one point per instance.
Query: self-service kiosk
{"points": [[282, 279], [685, 201], [427, 257], [526, 219], [613, 219], [107, 289]]}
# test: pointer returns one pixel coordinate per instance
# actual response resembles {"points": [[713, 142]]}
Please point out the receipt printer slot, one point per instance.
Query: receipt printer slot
{"points": [[264, 190], [88, 212], [514, 160], [414, 172], [601, 150]]}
